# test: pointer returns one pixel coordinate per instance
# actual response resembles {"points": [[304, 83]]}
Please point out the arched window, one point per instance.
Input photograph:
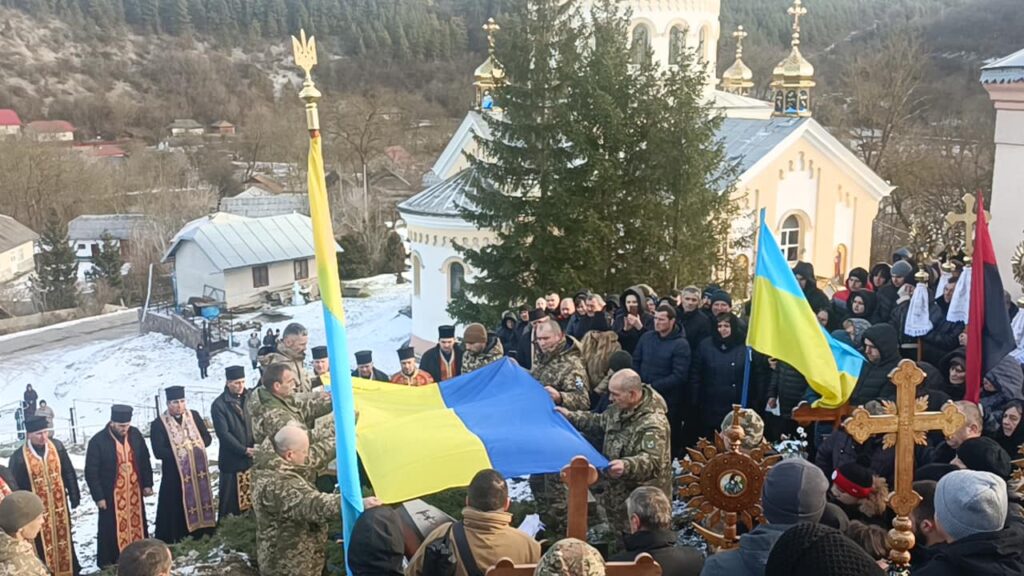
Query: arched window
{"points": [[789, 239], [456, 280], [640, 47], [702, 42], [415, 274], [676, 43]]}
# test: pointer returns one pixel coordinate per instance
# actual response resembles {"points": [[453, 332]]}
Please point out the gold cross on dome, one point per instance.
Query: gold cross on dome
{"points": [[904, 424], [969, 218], [739, 35], [796, 11], [490, 27]]}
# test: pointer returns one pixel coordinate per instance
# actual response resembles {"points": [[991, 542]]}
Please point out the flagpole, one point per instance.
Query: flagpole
{"points": [[750, 351], [342, 400]]}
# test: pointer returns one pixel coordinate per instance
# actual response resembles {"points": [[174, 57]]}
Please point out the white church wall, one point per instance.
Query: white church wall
{"points": [[798, 195], [1007, 230]]}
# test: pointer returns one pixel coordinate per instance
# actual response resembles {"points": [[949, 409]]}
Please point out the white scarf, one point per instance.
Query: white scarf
{"points": [[960, 305]]}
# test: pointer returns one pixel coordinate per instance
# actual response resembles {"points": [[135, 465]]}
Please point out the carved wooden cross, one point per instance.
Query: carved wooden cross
{"points": [[579, 475], [969, 218], [904, 424]]}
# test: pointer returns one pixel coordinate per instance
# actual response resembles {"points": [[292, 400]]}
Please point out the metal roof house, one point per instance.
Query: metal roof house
{"points": [[16, 248], [239, 260]]}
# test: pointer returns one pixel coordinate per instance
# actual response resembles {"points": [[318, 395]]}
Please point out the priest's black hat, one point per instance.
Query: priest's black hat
{"points": [[364, 357], [36, 423], [319, 352], [537, 314], [406, 352], [446, 331], [120, 413], [174, 393], [234, 373]]}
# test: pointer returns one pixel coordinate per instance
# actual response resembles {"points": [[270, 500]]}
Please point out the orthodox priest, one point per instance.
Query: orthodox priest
{"points": [[366, 369], [321, 369], [119, 475], [42, 466], [410, 374], [443, 361], [233, 423], [179, 438]]}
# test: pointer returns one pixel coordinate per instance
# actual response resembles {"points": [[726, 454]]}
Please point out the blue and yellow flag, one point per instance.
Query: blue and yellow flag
{"points": [[337, 341], [783, 326]]}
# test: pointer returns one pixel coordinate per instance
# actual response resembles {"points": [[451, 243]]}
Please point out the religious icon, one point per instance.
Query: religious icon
{"points": [[791, 103], [487, 102], [732, 483], [804, 102], [778, 101]]}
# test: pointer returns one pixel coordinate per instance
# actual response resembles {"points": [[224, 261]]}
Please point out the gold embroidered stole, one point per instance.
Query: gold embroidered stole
{"points": [[127, 503], [48, 485], [193, 469]]}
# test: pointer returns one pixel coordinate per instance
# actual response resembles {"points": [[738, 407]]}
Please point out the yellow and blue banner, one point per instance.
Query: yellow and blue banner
{"points": [[337, 341], [415, 441], [783, 326]]}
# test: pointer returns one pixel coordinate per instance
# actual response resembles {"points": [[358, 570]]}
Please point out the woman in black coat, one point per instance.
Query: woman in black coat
{"points": [[862, 305], [1010, 435], [203, 359], [716, 373]]}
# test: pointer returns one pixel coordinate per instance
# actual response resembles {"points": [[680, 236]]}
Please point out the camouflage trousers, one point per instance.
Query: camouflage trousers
{"points": [[552, 498]]}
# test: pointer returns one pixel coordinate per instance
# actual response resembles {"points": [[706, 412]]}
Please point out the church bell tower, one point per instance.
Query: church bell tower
{"points": [[738, 79], [488, 75], [793, 77]]}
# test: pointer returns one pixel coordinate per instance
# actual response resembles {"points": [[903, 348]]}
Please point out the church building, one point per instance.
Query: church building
{"points": [[819, 197]]}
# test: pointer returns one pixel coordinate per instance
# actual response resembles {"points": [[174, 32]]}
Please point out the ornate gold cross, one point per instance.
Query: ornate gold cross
{"points": [[490, 27], [904, 424], [796, 11], [969, 218], [739, 35]]}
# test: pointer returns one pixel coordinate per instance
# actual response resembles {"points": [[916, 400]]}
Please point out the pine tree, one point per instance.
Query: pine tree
{"points": [[108, 263], [57, 272]]}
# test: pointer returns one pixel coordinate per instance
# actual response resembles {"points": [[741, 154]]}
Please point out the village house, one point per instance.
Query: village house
{"points": [[50, 131], [222, 128], [240, 261], [10, 123], [86, 235], [17, 249], [186, 127]]}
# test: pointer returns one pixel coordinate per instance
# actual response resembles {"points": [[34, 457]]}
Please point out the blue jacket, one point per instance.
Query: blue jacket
{"points": [[664, 363]]}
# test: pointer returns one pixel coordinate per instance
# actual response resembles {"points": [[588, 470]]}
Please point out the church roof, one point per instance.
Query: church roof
{"points": [[1005, 70], [747, 141], [445, 198]]}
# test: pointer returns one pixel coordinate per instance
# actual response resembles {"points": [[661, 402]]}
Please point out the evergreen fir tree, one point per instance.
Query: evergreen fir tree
{"points": [[108, 263], [57, 271]]}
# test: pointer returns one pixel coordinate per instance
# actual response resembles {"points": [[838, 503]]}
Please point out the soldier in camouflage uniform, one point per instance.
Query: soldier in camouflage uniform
{"points": [[636, 443], [571, 557], [291, 350], [292, 516], [21, 519], [558, 366], [481, 348]]}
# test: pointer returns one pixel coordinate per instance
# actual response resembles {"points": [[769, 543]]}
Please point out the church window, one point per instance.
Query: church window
{"points": [[641, 45], [702, 42], [676, 43], [456, 280], [790, 239], [416, 274]]}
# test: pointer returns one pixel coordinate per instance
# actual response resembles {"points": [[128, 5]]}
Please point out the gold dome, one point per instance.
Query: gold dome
{"points": [[738, 72], [489, 70], [794, 66]]}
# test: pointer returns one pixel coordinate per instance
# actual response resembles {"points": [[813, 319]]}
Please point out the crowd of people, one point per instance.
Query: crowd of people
{"points": [[642, 377]]}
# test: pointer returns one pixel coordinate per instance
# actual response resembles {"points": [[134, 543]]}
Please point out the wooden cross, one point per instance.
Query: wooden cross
{"points": [[969, 218], [904, 424], [579, 475]]}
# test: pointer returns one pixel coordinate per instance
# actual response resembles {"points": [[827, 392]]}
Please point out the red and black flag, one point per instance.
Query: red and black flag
{"points": [[989, 337]]}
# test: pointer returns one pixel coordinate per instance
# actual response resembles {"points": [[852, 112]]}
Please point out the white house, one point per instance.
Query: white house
{"points": [[238, 260], [186, 127], [50, 131], [10, 123], [86, 235], [16, 248]]}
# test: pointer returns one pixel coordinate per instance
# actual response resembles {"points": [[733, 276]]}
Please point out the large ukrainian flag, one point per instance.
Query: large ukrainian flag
{"points": [[783, 326], [415, 441]]}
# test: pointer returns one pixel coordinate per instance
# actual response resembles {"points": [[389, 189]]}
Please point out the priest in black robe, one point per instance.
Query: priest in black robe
{"points": [[119, 475], [443, 361], [179, 437], [233, 424], [366, 369]]}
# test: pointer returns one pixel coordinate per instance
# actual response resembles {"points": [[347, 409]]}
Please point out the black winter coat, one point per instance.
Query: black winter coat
{"points": [[660, 544], [508, 334], [815, 297], [992, 554], [716, 373], [788, 386], [597, 322], [431, 362], [233, 424], [886, 301], [873, 382], [203, 357], [629, 338], [664, 363], [696, 326]]}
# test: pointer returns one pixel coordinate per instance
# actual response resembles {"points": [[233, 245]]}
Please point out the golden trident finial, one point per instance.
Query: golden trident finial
{"points": [[739, 35], [490, 27], [304, 52], [796, 11]]}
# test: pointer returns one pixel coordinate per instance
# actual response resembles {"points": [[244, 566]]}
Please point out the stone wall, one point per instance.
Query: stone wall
{"points": [[172, 325]]}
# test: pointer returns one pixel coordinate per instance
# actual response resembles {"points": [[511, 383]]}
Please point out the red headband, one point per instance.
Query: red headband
{"points": [[851, 488]]}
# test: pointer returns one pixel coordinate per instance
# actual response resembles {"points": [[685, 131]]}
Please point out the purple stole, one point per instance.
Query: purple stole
{"points": [[193, 468]]}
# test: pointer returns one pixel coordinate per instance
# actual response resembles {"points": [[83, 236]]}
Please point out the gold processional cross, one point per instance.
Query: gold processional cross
{"points": [[969, 218], [904, 424]]}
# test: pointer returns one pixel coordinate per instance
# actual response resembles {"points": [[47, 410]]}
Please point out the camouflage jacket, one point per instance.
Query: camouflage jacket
{"points": [[571, 557], [639, 437], [18, 558], [492, 352], [297, 364], [292, 517], [270, 414], [563, 370]]}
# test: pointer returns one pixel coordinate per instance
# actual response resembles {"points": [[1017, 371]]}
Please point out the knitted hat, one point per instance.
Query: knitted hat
{"points": [[570, 557], [475, 334], [970, 502], [854, 479], [18, 509], [794, 491], [620, 360], [721, 296], [985, 454], [753, 427], [815, 550], [902, 269]]}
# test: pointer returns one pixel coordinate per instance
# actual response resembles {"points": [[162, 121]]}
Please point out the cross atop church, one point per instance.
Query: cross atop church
{"points": [[969, 218], [739, 35], [904, 424], [490, 27], [796, 11]]}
